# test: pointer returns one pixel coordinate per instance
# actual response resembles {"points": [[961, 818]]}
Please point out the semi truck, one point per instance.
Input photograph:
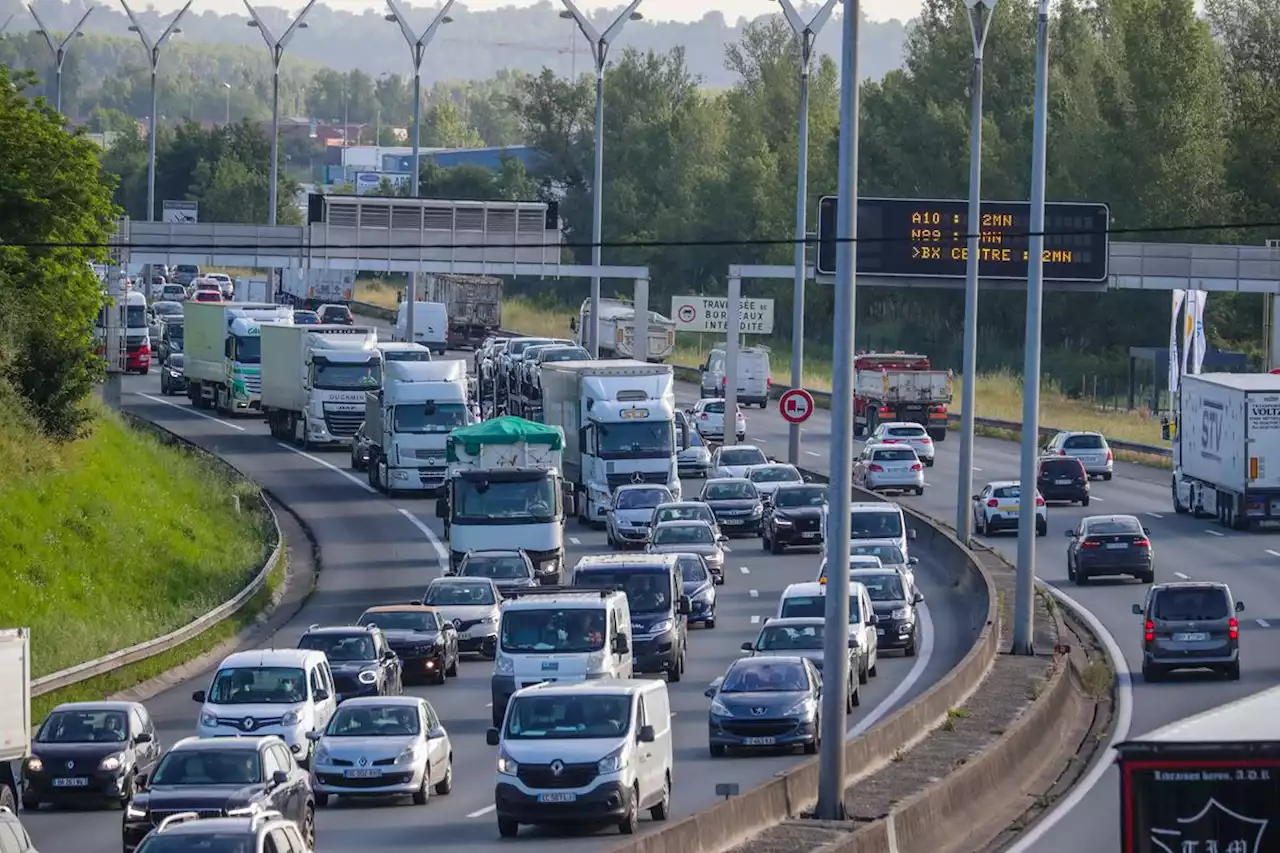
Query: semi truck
{"points": [[314, 381], [15, 712], [223, 352], [505, 491], [617, 331], [473, 305], [618, 419], [408, 420], [1226, 448], [308, 288], [900, 386]]}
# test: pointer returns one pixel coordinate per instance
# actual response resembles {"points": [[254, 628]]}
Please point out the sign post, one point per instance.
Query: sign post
{"points": [[795, 405], [182, 212], [711, 314]]}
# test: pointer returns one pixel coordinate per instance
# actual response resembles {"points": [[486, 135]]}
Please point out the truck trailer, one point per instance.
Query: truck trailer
{"points": [[223, 352], [899, 386], [308, 288], [618, 329], [408, 420], [473, 305], [15, 712]]}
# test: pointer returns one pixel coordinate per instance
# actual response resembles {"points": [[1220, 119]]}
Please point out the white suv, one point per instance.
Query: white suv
{"points": [[900, 432]]}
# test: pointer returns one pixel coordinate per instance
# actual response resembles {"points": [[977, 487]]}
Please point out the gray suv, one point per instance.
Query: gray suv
{"points": [[1089, 447], [1190, 625]]}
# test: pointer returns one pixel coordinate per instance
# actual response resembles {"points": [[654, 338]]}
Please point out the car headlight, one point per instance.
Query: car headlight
{"points": [[368, 676], [613, 762], [290, 718], [757, 511], [489, 620], [549, 565], [408, 756], [662, 627], [34, 764], [132, 812], [719, 709], [503, 666], [322, 753], [507, 766], [707, 596], [782, 522], [804, 708], [111, 762], [207, 719], [901, 613]]}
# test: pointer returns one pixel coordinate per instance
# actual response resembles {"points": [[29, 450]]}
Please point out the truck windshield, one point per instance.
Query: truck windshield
{"points": [[248, 349], [339, 376], [430, 417], [520, 502], [553, 630], [637, 439]]}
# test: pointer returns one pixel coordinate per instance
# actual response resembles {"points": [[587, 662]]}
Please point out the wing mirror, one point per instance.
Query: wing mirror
{"points": [[491, 737], [973, 497], [322, 695], [1146, 531], [442, 509], [1239, 606], [713, 688], [647, 734], [1137, 610], [685, 606], [314, 736], [917, 598], [621, 645], [435, 734], [144, 737], [913, 561], [722, 539], [748, 646], [198, 696], [140, 781], [873, 620], [279, 778], [911, 534], [1071, 534], [388, 655]]}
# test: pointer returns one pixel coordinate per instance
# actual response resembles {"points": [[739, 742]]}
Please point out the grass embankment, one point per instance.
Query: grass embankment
{"points": [[999, 396], [115, 539]]}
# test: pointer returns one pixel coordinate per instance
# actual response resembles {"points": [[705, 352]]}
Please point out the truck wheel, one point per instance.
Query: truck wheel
{"points": [[581, 502], [1177, 505]]}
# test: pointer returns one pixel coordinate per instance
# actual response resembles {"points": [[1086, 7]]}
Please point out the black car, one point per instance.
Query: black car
{"points": [[507, 569], [426, 644], [306, 318], [89, 752], [339, 315], [173, 376], [894, 602], [264, 830], [737, 505], [794, 518], [171, 338], [698, 584], [363, 663], [1062, 478], [765, 702], [1109, 545], [221, 777]]}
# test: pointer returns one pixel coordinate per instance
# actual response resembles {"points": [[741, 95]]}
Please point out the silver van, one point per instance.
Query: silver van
{"points": [[1190, 625]]}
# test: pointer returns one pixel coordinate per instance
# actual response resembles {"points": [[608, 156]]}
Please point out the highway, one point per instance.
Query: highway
{"points": [[375, 550]]}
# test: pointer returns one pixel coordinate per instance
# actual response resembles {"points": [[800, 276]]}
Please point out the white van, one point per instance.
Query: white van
{"points": [[285, 692], [881, 520], [754, 379], [591, 752], [809, 600], [430, 325], [555, 634]]}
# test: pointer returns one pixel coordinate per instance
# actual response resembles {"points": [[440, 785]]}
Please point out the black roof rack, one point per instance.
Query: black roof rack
{"points": [[555, 590]]}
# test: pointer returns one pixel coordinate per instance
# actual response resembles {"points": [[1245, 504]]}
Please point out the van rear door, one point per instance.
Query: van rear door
{"points": [[753, 374]]}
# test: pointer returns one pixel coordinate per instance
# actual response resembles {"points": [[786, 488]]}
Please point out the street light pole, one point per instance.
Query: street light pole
{"points": [[417, 51], [600, 43], [7, 22], [979, 14], [275, 47], [153, 58], [227, 120], [1024, 599], [59, 50], [806, 34]]}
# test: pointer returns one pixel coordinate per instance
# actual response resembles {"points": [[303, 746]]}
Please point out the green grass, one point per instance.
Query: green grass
{"points": [[116, 538]]}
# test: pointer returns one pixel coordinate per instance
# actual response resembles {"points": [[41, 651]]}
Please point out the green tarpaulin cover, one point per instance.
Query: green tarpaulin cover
{"points": [[505, 430]]}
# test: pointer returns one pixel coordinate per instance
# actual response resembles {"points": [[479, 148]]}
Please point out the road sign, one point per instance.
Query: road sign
{"points": [[795, 405], [182, 212], [711, 314], [927, 238]]}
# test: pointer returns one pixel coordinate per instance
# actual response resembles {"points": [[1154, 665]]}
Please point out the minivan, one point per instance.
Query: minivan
{"points": [[584, 753], [1190, 625], [754, 380], [430, 325], [882, 520]]}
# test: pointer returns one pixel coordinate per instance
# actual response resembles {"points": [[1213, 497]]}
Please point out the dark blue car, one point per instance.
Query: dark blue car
{"points": [[699, 587]]}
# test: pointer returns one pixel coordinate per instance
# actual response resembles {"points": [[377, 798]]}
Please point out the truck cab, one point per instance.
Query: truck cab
{"points": [[408, 420], [315, 380]]}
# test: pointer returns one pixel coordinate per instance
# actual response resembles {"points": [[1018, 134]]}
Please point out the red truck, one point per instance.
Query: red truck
{"points": [[899, 386]]}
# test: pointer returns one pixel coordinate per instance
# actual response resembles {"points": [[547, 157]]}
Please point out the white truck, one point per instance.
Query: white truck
{"points": [[256, 289], [884, 394], [223, 352], [1226, 448], [617, 330], [15, 712], [308, 288], [407, 423], [618, 419], [473, 305], [505, 491], [314, 381]]}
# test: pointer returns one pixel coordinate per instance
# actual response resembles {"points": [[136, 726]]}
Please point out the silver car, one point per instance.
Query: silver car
{"points": [[693, 458], [473, 606], [690, 537], [889, 468], [902, 432], [378, 746], [1089, 447], [768, 478], [733, 461], [684, 511], [627, 520]]}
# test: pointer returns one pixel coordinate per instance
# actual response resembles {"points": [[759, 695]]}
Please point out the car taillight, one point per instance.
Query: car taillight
{"points": [[874, 467], [1110, 458], [924, 439], [1143, 543], [769, 381], [1039, 501], [993, 502], [145, 349], [724, 380], [917, 467], [888, 441], [1149, 631], [704, 416], [885, 410], [1064, 453], [1233, 628], [1089, 544]]}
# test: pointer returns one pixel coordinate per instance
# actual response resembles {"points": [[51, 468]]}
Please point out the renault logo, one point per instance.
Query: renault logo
{"points": [[247, 724], [363, 761], [637, 478], [557, 767], [71, 765], [457, 623]]}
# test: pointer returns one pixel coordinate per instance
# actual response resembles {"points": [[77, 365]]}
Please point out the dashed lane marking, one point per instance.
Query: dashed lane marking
{"points": [[1158, 515], [482, 812], [811, 453], [362, 483], [1181, 576], [191, 411], [1273, 553], [1096, 498], [1263, 623], [744, 570], [1215, 533], [574, 540], [754, 593], [755, 620]]}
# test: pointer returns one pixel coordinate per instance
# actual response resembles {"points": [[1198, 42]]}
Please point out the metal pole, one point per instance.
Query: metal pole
{"points": [[597, 205], [277, 54], [227, 120], [151, 153], [835, 657], [1275, 333], [112, 392], [640, 321], [802, 201], [1024, 613], [411, 289], [62, 54], [732, 329]]}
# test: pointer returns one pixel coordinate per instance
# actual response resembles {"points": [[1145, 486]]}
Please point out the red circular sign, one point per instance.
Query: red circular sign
{"points": [[687, 314], [796, 405]]}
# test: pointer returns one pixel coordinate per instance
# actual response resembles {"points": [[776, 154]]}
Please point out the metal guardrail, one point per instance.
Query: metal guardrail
{"points": [[151, 648]]}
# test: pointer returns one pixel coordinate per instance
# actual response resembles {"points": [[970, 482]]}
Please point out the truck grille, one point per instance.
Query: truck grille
{"points": [[253, 383], [570, 776], [343, 424], [656, 478]]}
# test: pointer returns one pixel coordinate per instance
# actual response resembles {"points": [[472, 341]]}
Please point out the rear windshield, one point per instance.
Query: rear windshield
{"points": [[1061, 467], [906, 432], [714, 408], [1113, 525], [1084, 442], [815, 607], [904, 455], [1190, 605], [1008, 492]]}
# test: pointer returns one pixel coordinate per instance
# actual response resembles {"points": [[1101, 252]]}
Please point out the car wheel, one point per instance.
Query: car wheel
{"points": [[631, 820], [309, 827], [1233, 671], [910, 650], [857, 697], [1149, 577], [717, 750], [711, 624], [928, 463], [1071, 571], [1081, 578], [874, 669], [811, 748], [1150, 673], [920, 491], [508, 828], [1106, 477], [1042, 529], [662, 810], [322, 800], [864, 675], [31, 805], [445, 785], [421, 795]]}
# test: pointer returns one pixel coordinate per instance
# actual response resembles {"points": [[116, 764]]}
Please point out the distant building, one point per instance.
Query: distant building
{"points": [[105, 140], [490, 158]]}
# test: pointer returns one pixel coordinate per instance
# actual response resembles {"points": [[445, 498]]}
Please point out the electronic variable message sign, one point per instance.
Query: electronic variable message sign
{"points": [[928, 238]]}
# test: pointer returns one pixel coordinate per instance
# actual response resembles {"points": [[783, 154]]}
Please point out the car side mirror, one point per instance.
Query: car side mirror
{"points": [[322, 695], [685, 605], [198, 696], [1071, 534], [144, 737], [450, 573], [913, 561], [1137, 610], [917, 598], [973, 497], [722, 539], [1146, 531], [279, 778], [435, 734], [388, 655], [647, 734], [1239, 606], [491, 737], [608, 511], [442, 509], [911, 534], [140, 782], [710, 692], [314, 736], [621, 645], [874, 620], [748, 646]]}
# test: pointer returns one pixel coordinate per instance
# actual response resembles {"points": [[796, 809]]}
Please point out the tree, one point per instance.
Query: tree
{"points": [[445, 127]]}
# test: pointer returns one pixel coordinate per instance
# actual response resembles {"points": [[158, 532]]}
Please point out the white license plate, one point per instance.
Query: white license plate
{"points": [[1062, 482], [759, 741], [71, 782], [1191, 637], [1117, 546], [879, 632], [733, 521], [560, 797], [813, 534], [371, 773]]}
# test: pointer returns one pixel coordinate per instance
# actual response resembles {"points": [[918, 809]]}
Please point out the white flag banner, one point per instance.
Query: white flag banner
{"points": [[1201, 342], [1188, 327], [1178, 297]]}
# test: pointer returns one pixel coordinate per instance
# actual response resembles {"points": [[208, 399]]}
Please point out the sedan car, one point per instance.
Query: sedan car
{"points": [[793, 519], [472, 606], [173, 378], [507, 569], [336, 315], [306, 318], [707, 417], [914, 436], [362, 662], [698, 584], [996, 508], [1089, 447], [1109, 545], [766, 702], [734, 461], [426, 644], [894, 602], [693, 458], [684, 511], [1061, 478], [383, 746], [89, 753], [736, 504], [889, 468], [1190, 625], [627, 520], [690, 537], [768, 478]]}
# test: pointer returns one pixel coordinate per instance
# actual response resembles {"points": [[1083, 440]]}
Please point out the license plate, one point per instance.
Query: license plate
{"points": [[71, 782], [759, 741], [733, 521], [809, 535], [1117, 546], [371, 773], [1062, 482], [559, 797], [879, 632], [1193, 637]]}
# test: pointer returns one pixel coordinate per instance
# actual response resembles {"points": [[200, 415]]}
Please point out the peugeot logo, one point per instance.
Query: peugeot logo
{"points": [[557, 767], [758, 712], [637, 478], [247, 724], [363, 761]]}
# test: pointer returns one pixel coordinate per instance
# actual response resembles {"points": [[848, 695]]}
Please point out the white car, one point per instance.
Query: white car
{"points": [[734, 461], [856, 561], [473, 606], [889, 468], [382, 746], [767, 478], [997, 506], [225, 285], [902, 432], [627, 520], [707, 417]]}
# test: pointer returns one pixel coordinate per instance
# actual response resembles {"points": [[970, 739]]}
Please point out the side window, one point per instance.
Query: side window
{"points": [[277, 841], [136, 723], [326, 678], [270, 763], [642, 713], [613, 624], [283, 758], [317, 682]]}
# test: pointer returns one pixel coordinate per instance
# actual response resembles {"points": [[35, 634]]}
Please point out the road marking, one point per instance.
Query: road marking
{"points": [[976, 468], [1181, 576], [334, 468], [574, 540], [1263, 623], [489, 705], [1096, 498], [1273, 553], [754, 593], [924, 654], [191, 411], [442, 553], [1158, 515], [744, 570], [1215, 533], [755, 620], [811, 453], [482, 812]]}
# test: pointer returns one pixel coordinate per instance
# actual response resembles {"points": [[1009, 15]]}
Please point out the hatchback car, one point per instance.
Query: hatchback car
{"points": [[690, 537], [173, 292], [693, 458], [768, 478], [707, 417], [766, 703], [360, 446], [426, 644], [206, 295], [684, 511], [360, 658], [507, 569], [997, 506], [894, 602], [1062, 478], [306, 318], [18, 841], [889, 468], [1089, 447], [793, 518], [473, 607], [336, 315], [901, 432], [698, 584], [1190, 625], [734, 461], [627, 520], [736, 504], [173, 377], [1109, 545], [804, 636], [89, 753]]}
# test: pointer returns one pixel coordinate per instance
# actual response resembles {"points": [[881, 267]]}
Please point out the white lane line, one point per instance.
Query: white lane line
{"points": [[1273, 553], [442, 553], [489, 705], [755, 619], [1215, 533], [334, 468], [1096, 498], [1263, 623], [1124, 719], [1181, 576], [482, 812], [923, 657], [744, 570], [1158, 515], [976, 468], [574, 540], [811, 453], [754, 593], [192, 411]]}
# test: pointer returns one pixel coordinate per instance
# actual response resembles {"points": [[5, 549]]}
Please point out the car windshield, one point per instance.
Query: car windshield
{"points": [[782, 637], [714, 408], [424, 418], [518, 347], [248, 349], [459, 594], [883, 587], [568, 717], [497, 567], [167, 309], [636, 438], [740, 491], [691, 569], [889, 555], [875, 525], [1191, 605], [811, 606], [1084, 442], [641, 498], [337, 647], [1061, 468], [87, 726], [793, 498], [764, 676], [208, 767], [338, 376], [906, 454], [206, 842], [746, 456], [176, 359], [683, 534], [136, 317], [647, 591], [258, 685], [374, 721], [335, 315], [684, 512], [553, 630], [1110, 526], [564, 354], [775, 474], [415, 353], [400, 620], [905, 432]]}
